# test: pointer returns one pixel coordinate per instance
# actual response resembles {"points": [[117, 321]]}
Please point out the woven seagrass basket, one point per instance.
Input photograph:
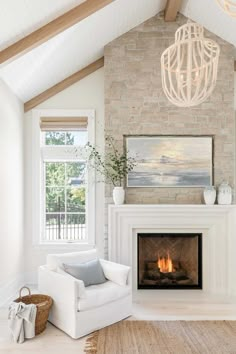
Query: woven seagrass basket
{"points": [[43, 304]]}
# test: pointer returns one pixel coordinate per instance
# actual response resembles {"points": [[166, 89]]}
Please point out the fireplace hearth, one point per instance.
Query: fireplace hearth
{"points": [[169, 261]]}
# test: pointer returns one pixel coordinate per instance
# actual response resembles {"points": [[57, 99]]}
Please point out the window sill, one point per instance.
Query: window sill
{"points": [[65, 246]]}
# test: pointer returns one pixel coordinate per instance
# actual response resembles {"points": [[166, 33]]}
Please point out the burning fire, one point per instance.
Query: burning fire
{"points": [[165, 264]]}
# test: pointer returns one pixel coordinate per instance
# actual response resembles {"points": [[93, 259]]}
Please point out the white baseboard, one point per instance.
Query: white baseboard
{"points": [[9, 290]]}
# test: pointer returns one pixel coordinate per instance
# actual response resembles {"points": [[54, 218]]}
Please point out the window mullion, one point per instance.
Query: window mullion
{"points": [[63, 153]]}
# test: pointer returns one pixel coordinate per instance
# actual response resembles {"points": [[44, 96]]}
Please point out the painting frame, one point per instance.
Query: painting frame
{"points": [[209, 138]]}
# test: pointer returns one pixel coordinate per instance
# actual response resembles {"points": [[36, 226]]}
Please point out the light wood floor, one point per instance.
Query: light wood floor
{"points": [[54, 341]]}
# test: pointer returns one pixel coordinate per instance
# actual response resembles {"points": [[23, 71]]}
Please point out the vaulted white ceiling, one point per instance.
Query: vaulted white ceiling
{"points": [[210, 15], [19, 18], [83, 43], [76, 47]]}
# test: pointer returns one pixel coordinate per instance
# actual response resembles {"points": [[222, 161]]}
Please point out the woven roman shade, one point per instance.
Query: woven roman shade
{"points": [[63, 123]]}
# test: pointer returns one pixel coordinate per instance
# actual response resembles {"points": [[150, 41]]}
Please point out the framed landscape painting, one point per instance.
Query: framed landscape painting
{"points": [[170, 161]]}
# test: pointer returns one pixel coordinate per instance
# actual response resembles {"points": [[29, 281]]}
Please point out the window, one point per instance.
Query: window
{"points": [[66, 199]]}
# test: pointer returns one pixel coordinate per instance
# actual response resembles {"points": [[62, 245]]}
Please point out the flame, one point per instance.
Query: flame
{"points": [[165, 264]]}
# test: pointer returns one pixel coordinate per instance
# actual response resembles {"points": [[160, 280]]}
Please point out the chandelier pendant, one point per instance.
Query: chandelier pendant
{"points": [[189, 66], [228, 6]]}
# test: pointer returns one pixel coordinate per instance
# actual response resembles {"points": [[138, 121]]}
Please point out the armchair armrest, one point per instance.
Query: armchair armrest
{"points": [[62, 289], [118, 273], [79, 283], [64, 292]]}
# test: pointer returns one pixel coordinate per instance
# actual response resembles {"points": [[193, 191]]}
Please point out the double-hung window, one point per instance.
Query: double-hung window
{"points": [[64, 188]]}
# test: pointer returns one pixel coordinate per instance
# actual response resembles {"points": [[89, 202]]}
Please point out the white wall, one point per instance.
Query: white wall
{"points": [[86, 94], [11, 190]]}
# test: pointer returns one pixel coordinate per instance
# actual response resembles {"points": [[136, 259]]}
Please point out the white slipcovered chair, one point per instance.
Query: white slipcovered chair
{"points": [[78, 310]]}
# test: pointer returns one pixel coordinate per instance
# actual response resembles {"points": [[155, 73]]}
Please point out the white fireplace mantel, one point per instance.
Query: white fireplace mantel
{"points": [[217, 223]]}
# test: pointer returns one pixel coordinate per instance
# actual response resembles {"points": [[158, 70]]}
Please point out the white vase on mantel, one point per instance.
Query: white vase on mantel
{"points": [[225, 194], [209, 195], [118, 195]]}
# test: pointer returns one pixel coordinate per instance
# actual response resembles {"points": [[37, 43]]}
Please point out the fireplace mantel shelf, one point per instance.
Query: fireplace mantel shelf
{"points": [[176, 206], [178, 209], [171, 209]]}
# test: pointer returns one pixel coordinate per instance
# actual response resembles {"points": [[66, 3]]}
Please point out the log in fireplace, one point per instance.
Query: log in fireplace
{"points": [[169, 261]]}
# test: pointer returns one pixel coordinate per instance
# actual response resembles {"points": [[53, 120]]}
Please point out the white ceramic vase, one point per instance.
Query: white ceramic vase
{"points": [[209, 195], [118, 195], [224, 194]]}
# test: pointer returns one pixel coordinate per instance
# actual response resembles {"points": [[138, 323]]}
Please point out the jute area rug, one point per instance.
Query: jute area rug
{"points": [[164, 337]]}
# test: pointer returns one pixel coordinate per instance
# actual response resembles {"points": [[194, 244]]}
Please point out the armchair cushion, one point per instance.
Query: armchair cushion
{"points": [[118, 273], [98, 295], [90, 273]]}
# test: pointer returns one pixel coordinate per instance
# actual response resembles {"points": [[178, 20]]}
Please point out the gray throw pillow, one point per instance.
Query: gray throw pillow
{"points": [[90, 272]]}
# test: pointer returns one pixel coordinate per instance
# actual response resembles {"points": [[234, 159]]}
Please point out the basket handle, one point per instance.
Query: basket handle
{"points": [[24, 287]]}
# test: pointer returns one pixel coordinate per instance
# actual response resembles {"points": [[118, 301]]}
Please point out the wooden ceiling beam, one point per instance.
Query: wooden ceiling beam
{"points": [[52, 29], [171, 10], [79, 75]]}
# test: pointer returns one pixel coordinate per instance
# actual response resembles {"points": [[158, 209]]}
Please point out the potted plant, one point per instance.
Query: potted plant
{"points": [[113, 166]]}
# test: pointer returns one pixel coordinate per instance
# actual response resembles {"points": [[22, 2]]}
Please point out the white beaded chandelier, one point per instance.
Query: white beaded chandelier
{"points": [[228, 6], [189, 66]]}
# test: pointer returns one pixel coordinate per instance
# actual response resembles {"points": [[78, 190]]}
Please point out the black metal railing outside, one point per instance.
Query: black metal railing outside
{"points": [[65, 226]]}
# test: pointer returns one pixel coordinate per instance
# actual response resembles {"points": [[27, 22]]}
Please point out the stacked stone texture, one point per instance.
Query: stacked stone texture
{"points": [[136, 105]]}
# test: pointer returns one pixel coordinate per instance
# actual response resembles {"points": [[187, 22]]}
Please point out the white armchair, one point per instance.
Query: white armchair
{"points": [[78, 310]]}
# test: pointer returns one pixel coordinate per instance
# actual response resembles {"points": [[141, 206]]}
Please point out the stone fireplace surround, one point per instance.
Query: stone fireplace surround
{"points": [[135, 104], [216, 223]]}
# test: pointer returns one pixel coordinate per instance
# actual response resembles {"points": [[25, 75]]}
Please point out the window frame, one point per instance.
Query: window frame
{"points": [[44, 213], [38, 179]]}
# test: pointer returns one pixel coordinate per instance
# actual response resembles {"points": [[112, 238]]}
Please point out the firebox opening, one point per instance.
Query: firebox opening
{"points": [[169, 261]]}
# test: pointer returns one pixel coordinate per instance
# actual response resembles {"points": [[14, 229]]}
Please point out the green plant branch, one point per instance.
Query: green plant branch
{"points": [[114, 166]]}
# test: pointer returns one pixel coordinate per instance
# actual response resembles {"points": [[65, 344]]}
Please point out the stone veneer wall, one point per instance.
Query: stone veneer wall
{"points": [[136, 105]]}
